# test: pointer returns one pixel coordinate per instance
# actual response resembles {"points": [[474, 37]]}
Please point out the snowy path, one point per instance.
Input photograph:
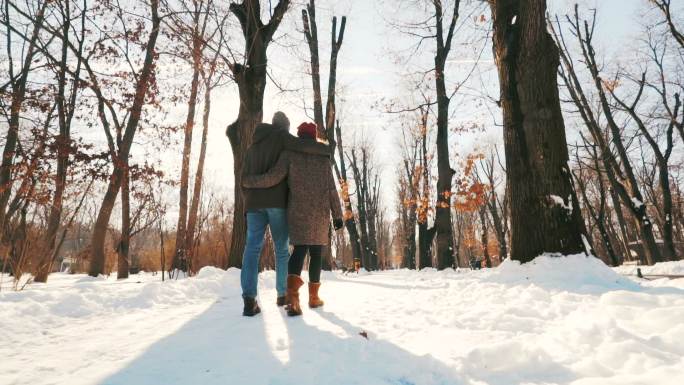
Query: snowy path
{"points": [[559, 321]]}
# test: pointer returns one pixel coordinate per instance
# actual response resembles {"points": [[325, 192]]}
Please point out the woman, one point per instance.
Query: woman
{"points": [[312, 198]]}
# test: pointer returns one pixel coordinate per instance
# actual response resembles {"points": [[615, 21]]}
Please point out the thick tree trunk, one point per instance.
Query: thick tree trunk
{"points": [[98, 256], [545, 214], [251, 80], [251, 83]]}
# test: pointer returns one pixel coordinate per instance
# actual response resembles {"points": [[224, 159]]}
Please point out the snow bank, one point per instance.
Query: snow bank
{"points": [[577, 273], [568, 320], [660, 268]]}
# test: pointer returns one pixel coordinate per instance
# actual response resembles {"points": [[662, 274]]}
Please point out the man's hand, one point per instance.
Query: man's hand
{"points": [[338, 223]]}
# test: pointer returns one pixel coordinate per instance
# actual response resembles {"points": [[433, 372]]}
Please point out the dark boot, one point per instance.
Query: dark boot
{"points": [[314, 300], [281, 301], [251, 307], [294, 282]]}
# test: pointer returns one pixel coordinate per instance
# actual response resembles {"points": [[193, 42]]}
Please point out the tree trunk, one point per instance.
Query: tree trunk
{"points": [[410, 256], [362, 207], [65, 113], [311, 34], [622, 224], [199, 175], [251, 81], [97, 257], [349, 220], [545, 214], [180, 255], [442, 226], [124, 244], [425, 238], [484, 237]]}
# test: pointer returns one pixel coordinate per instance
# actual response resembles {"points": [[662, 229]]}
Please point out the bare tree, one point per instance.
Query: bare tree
{"points": [[17, 85], [591, 174], [619, 170], [496, 205], [326, 129], [121, 146], [544, 207], [66, 107], [443, 228], [665, 6]]}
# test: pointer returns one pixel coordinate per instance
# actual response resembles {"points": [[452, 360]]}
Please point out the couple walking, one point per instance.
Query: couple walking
{"points": [[287, 185]]}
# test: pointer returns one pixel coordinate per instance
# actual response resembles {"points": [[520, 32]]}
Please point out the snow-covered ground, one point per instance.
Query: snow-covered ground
{"points": [[663, 268], [554, 321]]}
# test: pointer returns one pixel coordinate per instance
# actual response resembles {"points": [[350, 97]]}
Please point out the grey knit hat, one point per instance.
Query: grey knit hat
{"points": [[281, 121]]}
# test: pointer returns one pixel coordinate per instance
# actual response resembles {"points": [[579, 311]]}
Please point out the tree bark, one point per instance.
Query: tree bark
{"points": [[484, 237], [124, 244], [180, 261], [251, 80], [545, 214], [442, 226]]}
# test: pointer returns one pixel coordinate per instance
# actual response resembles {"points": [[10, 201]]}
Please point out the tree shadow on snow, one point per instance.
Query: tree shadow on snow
{"points": [[220, 346]]}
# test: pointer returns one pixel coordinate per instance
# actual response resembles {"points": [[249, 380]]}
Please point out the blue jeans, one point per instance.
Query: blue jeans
{"points": [[257, 220]]}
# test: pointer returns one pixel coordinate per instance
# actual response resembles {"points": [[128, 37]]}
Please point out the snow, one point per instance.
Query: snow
{"points": [[556, 320], [559, 201], [661, 268]]}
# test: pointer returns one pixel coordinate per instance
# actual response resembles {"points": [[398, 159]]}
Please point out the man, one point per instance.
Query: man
{"points": [[268, 206]]}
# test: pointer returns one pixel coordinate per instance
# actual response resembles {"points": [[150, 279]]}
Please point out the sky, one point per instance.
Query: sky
{"points": [[368, 75]]}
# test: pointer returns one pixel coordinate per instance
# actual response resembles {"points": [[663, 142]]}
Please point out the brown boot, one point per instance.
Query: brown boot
{"points": [[294, 282], [314, 300], [281, 301]]}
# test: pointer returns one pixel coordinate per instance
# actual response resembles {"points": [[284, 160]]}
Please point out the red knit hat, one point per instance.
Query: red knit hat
{"points": [[307, 130]]}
